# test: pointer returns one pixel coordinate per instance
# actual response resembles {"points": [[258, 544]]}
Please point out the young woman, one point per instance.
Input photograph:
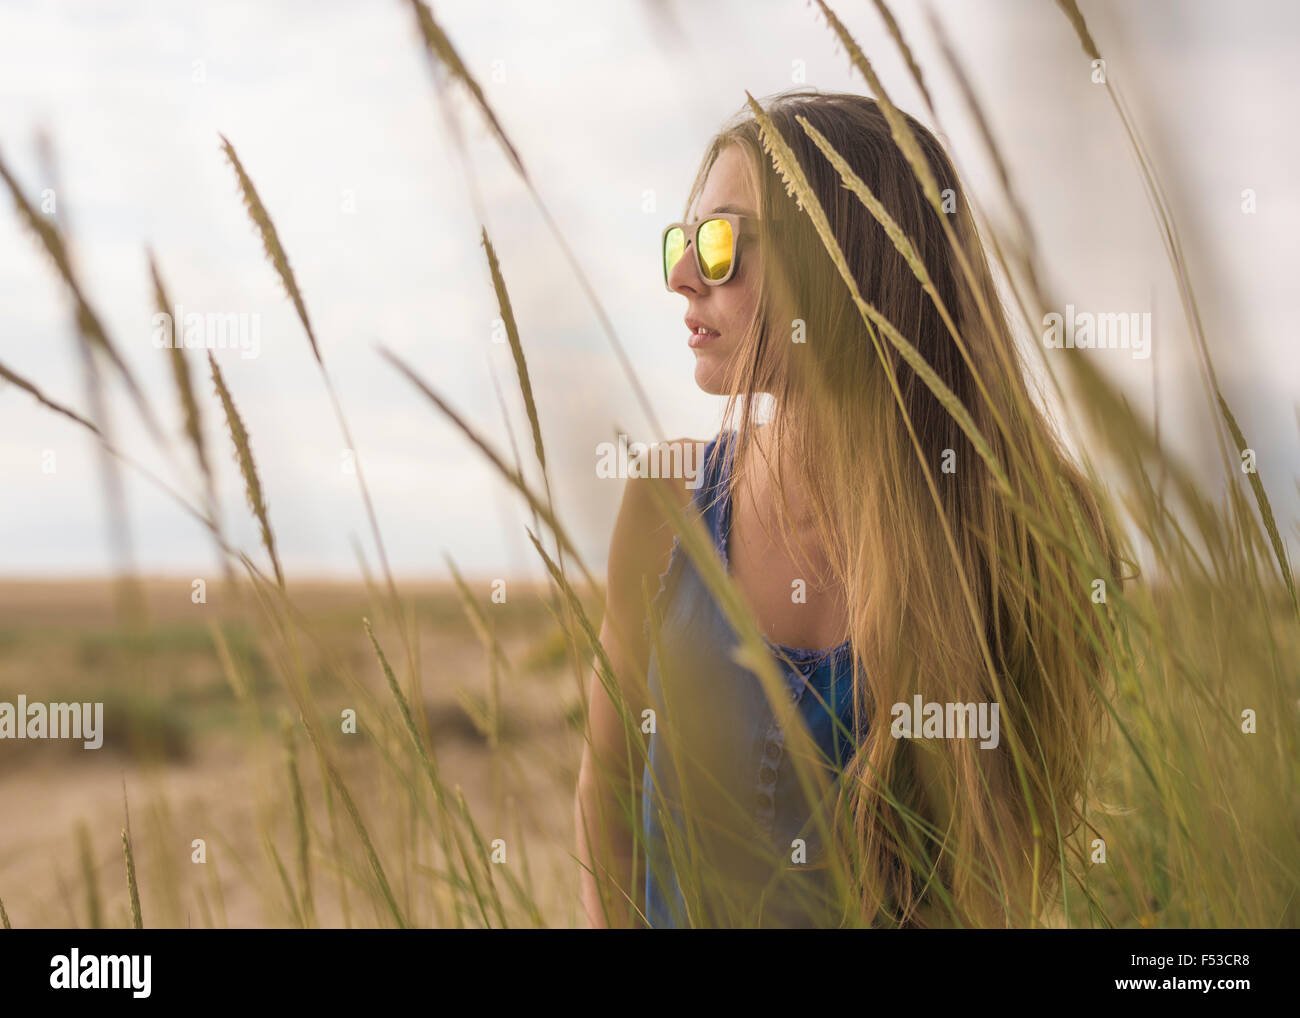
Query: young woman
{"points": [[888, 561]]}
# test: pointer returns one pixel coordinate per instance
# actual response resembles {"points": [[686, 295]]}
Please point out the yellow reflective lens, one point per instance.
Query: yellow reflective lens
{"points": [[674, 245], [716, 246]]}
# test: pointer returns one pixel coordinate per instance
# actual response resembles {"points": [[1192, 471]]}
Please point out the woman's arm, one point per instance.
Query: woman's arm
{"points": [[604, 836], [639, 553]]}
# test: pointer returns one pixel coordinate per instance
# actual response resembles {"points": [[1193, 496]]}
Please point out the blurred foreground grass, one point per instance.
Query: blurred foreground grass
{"points": [[197, 764]]}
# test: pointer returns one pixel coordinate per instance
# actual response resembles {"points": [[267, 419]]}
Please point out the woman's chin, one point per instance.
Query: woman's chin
{"points": [[710, 374], [709, 379]]}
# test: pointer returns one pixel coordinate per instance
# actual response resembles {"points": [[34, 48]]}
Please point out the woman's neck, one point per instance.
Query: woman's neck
{"points": [[772, 459]]}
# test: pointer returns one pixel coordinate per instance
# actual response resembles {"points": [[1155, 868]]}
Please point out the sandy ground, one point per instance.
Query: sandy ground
{"points": [[61, 640]]}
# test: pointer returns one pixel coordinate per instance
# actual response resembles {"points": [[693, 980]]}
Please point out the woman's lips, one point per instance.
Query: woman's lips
{"points": [[699, 339]]}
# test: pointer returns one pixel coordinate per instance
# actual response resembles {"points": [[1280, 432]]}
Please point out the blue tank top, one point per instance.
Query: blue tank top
{"points": [[726, 801]]}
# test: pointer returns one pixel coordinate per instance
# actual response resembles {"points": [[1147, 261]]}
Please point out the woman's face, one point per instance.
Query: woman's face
{"points": [[724, 310]]}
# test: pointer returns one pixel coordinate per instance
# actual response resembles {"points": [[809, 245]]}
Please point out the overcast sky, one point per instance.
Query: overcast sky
{"points": [[332, 108]]}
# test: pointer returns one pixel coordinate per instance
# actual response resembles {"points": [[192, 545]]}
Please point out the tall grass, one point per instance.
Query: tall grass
{"points": [[1198, 820], [132, 885]]}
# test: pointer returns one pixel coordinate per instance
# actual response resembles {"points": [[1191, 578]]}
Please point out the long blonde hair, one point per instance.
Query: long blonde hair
{"points": [[951, 593]]}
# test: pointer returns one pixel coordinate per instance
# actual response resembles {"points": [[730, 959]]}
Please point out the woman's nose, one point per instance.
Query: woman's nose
{"points": [[684, 275]]}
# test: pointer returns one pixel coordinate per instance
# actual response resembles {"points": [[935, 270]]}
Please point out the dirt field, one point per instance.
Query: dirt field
{"points": [[194, 767]]}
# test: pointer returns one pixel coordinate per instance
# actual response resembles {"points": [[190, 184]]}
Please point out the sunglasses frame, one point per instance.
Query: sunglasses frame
{"points": [[692, 232]]}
